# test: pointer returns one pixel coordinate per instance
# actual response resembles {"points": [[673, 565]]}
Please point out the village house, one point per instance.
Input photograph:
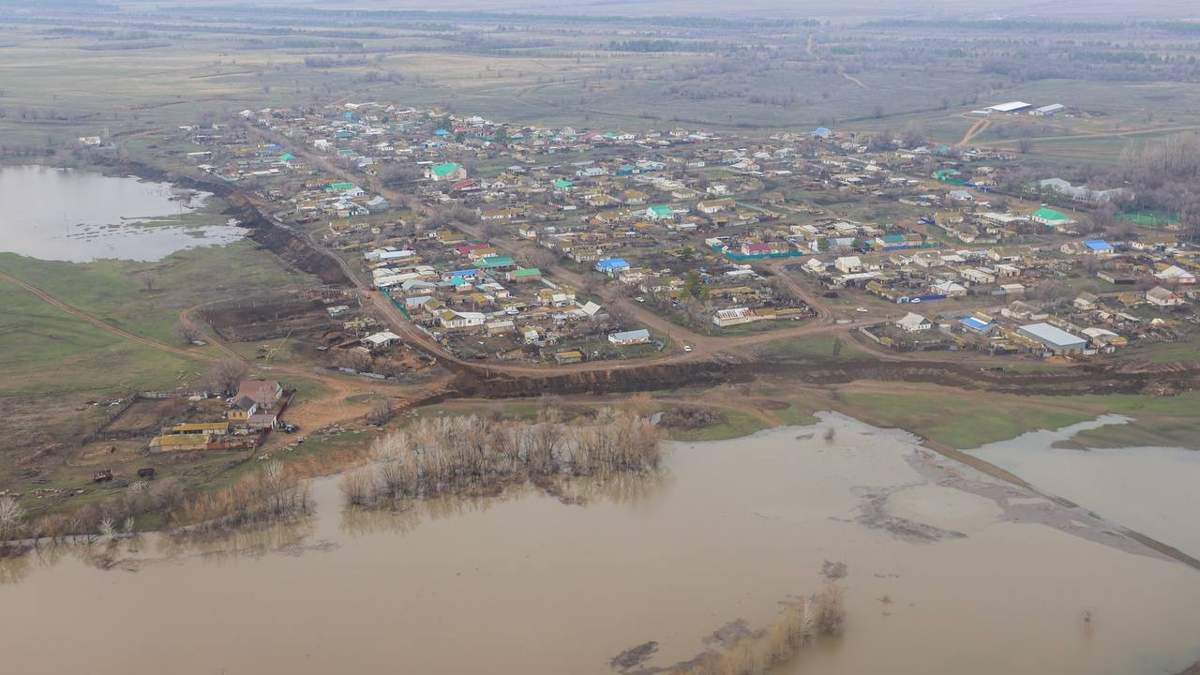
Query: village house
{"points": [[1162, 297], [848, 264], [912, 323], [446, 172]]}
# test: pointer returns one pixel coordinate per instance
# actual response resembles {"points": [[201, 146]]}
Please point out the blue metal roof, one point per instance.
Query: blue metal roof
{"points": [[975, 324]]}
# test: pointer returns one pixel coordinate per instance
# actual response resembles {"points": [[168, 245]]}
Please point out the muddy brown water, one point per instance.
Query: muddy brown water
{"points": [[81, 216], [941, 578], [1149, 489]]}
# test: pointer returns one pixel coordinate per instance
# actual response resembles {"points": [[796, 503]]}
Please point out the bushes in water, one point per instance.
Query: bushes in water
{"points": [[799, 625], [443, 455], [272, 493]]}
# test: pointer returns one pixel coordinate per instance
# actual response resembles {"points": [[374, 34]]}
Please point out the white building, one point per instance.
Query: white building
{"points": [[848, 264], [733, 316], [912, 323]]}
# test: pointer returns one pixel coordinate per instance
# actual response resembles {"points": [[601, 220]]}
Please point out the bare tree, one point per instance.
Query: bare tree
{"points": [[381, 412], [224, 375], [12, 518], [186, 333]]}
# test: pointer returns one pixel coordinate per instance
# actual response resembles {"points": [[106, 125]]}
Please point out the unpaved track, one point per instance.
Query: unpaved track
{"points": [[977, 128], [101, 323], [310, 415]]}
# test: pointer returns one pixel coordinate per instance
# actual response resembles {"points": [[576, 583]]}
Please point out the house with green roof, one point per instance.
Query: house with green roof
{"points": [[660, 212], [446, 171], [494, 262], [343, 186], [523, 274], [1051, 218], [563, 184]]}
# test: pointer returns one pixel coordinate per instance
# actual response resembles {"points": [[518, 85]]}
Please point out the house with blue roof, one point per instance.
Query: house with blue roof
{"points": [[612, 266], [1098, 247], [462, 275], [976, 324]]}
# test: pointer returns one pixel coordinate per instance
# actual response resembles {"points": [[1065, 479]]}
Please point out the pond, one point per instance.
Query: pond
{"points": [[80, 216], [947, 572]]}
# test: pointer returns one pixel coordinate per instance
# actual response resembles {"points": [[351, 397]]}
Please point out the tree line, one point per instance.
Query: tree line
{"points": [[437, 456]]}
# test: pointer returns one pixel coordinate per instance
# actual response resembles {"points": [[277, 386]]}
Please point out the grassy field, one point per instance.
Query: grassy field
{"points": [[957, 420], [967, 420], [146, 298], [45, 351]]}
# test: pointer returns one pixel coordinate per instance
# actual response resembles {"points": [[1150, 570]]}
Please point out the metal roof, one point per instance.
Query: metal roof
{"points": [[1011, 106], [1052, 335]]}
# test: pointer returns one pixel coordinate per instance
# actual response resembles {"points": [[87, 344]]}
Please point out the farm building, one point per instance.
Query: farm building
{"points": [[733, 317], [1010, 107], [630, 337], [379, 341], [1054, 339], [1048, 110]]}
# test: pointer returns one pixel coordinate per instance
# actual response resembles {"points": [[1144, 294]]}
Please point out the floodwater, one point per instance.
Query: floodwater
{"points": [[948, 572], [1151, 490], [80, 216]]}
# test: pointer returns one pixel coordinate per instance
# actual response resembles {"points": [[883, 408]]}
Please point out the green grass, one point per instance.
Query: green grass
{"points": [[732, 424], [798, 414], [961, 419], [1167, 352], [811, 346], [44, 350], [118, 292], [1149, 218]]}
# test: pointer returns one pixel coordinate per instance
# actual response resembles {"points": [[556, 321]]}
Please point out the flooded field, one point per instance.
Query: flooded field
{"points": [[946, 571], [79, 216], [1151, 490]]}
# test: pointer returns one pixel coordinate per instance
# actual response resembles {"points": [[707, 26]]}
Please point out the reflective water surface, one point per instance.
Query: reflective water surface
{"points": [[79, 216], [1152, 490], [948, 572]]}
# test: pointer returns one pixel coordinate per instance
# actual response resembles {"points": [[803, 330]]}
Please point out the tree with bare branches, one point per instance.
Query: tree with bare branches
{"points": [[224, 375]]}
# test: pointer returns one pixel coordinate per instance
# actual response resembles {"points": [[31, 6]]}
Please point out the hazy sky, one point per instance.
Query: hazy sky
{"points": [[974, 9]]}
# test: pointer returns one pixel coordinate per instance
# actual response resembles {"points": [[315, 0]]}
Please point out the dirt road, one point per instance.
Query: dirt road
{"points": [[101, 323], [977, 128], [335, 406]]}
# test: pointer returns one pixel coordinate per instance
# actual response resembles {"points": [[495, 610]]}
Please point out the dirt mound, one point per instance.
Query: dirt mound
{"points": [[291, 247]]}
